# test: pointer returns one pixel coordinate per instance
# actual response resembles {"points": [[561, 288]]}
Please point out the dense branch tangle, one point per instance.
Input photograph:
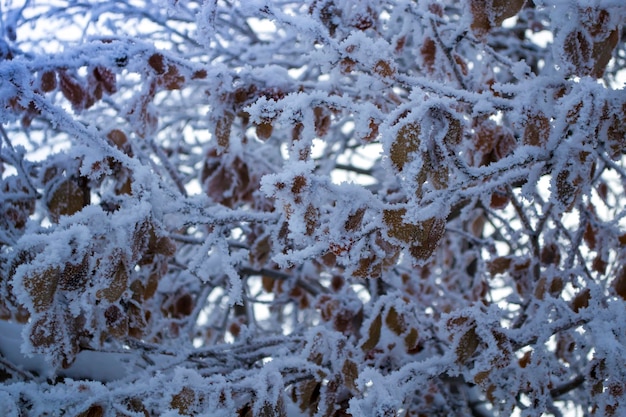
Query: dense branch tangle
{"points": [[175, 197]]}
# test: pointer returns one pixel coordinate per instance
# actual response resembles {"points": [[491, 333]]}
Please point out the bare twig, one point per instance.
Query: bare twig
{"points": [[567, 387], [448, 52]]}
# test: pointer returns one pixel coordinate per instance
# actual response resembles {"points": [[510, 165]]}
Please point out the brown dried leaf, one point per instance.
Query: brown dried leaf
{"points": [[199, 74], [43, 332], [309, 394], [597, 374], [468, 343], [373, 334], [160, 245], [72, 90], [120, 140], [431, 233], [423, 237], [540, 288], [119, 284], [491, 142], [48, 81], [499, 200], [407, 142], [172, 79], [347, 65], [337, 282], [397, 228], [5, 311], [299, 183], [158, 270], [74, 276], [481, 377], [55, 332], [411, 340], [368, 267], [588, 55], [163, 246], [41, 286], [116, 321], [156, 61], [311, 219], [322, 121], [328, 13], [106, 78], [521, 264], [364, 20], [384, 69], [578, 48], [264, 130], [456, 322], [567, 189], [140, 238], [95, 410], [460, 62], [488, 14], [222, 129], [525, 359], [550, 254], [235, 328], [183, 306], [556, 286], [142, 115], [137, 321], [246, 410], [619, 283], [354, 220], [267, 283], [183, 401], [537, 130], [350, 372], [616, 139], [261, 251], [68, 197], [429, 53], [603, 52], [590, 236], [373, 131], [327, 306], [15, 210], [581, 300], [296, 132], [437, 173], [395, 322], [499, 265], [273, 410], [454, 134]]}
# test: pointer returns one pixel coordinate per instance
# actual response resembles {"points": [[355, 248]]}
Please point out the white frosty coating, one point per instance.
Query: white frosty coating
{"points": [[102, 366], [359, 304]]}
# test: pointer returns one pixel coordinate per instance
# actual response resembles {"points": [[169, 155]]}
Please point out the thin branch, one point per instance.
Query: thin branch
{"points": [[533, 235], [18, 163], [447, 51], [168, 167], [22, 373], [311, 288], [567, 387], [351, 168], [518, 344]]}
